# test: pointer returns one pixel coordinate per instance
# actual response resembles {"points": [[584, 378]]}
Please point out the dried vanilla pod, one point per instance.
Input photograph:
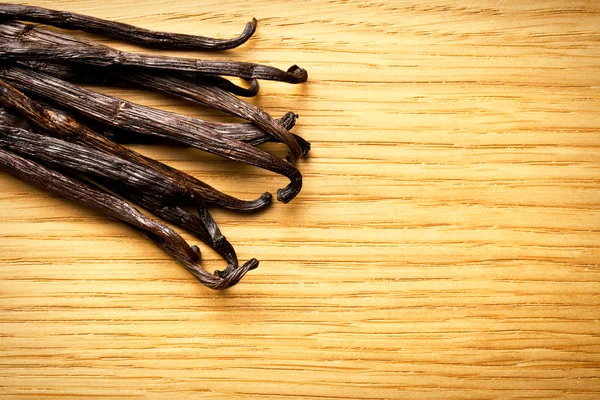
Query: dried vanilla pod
{"points": [[101, 201], [217, 98], [20, 43], [244, 132], [146, 120], [122, 176], [202, 93], [121, 31], [65, 137]]}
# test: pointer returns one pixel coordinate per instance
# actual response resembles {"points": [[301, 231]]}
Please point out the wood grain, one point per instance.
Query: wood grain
{"points": [[445, 246]]}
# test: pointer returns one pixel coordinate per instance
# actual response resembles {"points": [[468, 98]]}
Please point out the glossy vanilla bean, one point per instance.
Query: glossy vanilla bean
{"points": [[64, 127], [211, 96], [20, 42], [201, 92], [107, 204], [121, 31], [244, 132], [150, 121], [81, 74], [124, 177], [204, 93], [132, 173]]}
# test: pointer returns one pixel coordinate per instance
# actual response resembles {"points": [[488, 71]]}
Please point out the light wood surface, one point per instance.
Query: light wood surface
{"points": [[445, 245]]}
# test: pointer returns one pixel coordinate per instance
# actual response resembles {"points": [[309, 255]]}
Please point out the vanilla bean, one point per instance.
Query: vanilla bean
{"points": [[198, 91], [21, 44], [121, 31], [215, 97], [150, 121], [80, 74], [242, 132], [99, 200], [64, 127], [121, 176], [220, 99]]}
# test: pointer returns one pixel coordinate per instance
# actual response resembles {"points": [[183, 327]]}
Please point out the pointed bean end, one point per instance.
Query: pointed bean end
{"points": [[232, 277], [288, 193]]}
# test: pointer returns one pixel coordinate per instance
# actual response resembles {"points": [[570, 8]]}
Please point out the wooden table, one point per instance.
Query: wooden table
{"points": [[445, 245]]}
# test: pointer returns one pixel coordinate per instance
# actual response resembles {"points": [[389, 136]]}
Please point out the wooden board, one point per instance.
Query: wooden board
{"points": [[445, 245]]}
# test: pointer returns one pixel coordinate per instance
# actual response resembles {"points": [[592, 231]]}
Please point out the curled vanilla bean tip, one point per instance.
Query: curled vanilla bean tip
{"points": [[288, 120], [234, 276], [288, 193], [252, 90], [253, 264], [304, 145], [250, 28], [226, 44], [299, 75]]}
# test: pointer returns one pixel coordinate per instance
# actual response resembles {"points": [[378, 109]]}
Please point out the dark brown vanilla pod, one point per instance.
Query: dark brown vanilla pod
{"points": [[240, 131], [204, 93], [191, 191], [243, 132], [121, 176], [81, 74], [215, 97], [27, 47], [121, 31], [198, 92], [99, 200], [150, 121]]}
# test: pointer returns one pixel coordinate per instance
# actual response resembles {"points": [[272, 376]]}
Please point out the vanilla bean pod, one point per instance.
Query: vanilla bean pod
{"points": [[214, 97], [121, 176], [105, 203], [244, 132], [64, 127], [134, 174], [121, 31], [80, 74], [150, 121], [21, 44], [240, 131], [199, 92]]}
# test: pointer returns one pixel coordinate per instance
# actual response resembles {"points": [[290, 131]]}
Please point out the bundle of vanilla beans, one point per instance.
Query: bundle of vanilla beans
{"points": [[69, 139]]}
